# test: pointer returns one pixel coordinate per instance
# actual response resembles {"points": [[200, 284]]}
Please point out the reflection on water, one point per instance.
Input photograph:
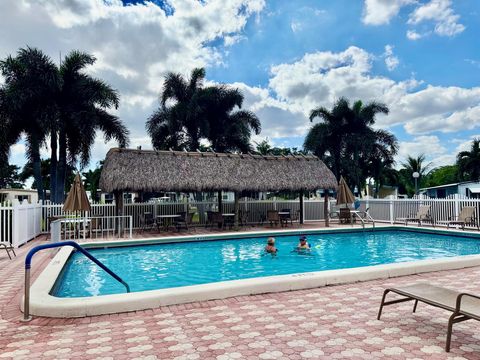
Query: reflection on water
{"points": [[170, 265]]}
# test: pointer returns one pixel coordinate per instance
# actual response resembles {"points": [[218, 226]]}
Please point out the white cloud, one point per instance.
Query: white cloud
{"points": [[379, 12], [391, 61], [413, 35], [135, 45], [441, 13]]}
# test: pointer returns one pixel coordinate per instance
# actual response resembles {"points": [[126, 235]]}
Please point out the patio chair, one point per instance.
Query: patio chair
{"points": [[273, 217], [334, 212], [147, 221], [8, 247], [423, 214], [466, 217], [345, 216], [243, 217], [214, 219], [284, 219], [95, 226], [261, 218], [463, 306], [296, 217], [185, 220]]}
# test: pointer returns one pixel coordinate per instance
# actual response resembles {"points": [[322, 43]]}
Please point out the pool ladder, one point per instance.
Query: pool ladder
{"points": [[367, 217], [28, 264]]}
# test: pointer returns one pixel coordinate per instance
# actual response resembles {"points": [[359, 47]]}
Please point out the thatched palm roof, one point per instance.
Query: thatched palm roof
{"points": [[145, 170]]}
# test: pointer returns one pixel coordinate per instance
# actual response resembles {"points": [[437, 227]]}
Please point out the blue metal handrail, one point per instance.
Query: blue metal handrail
{"points": [[28, 264]]}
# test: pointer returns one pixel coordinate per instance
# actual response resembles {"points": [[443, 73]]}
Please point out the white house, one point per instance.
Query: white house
{"points": [[18, 194]]}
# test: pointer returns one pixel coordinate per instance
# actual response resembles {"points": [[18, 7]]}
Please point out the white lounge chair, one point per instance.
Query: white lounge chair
{"points": [[8, 247], [463, 306]]}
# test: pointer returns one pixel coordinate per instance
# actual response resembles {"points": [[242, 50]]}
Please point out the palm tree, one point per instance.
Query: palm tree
{"points": [[177, 123], [28, 103], [228, 130], [83, 102], [92, 180], [326, 139], [469, 162], [412, 165], [346, 141]]}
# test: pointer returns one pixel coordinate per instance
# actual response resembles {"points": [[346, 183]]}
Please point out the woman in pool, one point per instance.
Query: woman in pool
{"points": [[270, 248]]}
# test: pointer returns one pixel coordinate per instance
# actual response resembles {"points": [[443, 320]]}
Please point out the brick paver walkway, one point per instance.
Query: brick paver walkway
{"points": [[325, 323]]}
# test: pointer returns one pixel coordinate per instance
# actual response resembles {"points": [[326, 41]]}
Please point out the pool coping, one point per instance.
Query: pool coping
{"points": [[44, 304]]}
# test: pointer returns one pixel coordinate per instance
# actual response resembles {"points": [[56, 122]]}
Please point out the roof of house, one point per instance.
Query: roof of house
{"points": [[450, 185], [147, 170]]}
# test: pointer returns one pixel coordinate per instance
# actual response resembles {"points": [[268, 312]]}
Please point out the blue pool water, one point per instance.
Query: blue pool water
{"points": [[150, 267]]}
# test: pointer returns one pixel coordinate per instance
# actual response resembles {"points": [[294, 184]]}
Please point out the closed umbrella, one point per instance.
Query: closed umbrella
{"points": [[77, 199], [344, 195]]}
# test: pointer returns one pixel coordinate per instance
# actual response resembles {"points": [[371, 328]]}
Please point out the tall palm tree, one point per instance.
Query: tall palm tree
{"points": [[82, 103], [326, 139], [347, 142], [177, 123], [469, 162], [28, 102], [228, 129]]}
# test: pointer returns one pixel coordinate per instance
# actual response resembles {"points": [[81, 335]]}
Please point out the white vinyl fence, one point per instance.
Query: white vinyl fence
{"points": [[20, 223]]}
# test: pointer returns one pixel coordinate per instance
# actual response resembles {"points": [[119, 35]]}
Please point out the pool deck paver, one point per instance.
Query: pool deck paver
{"points": [[334, 322]]}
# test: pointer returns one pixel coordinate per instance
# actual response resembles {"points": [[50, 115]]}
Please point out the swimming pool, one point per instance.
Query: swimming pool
{"points": [[179, 270], [161, 266]]}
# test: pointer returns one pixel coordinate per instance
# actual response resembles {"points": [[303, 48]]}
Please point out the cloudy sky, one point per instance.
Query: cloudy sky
{"points": [[420, 57]]}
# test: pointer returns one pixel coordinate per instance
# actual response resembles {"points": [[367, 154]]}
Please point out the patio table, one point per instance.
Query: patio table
{"points": [[166, 220], [283, 217]]}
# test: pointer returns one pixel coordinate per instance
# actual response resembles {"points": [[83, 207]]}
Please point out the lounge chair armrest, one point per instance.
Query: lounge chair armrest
{"points": [[460, 296]]}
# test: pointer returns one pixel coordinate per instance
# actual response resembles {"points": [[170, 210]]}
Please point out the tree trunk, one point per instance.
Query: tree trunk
{"points": [[61, 167], [37, 168], [53, 166]]}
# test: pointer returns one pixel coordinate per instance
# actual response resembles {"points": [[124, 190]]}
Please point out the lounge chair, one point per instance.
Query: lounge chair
{"points": [[285, 218], [466, 217], [423, 214], [8, 247], [463, 306]]}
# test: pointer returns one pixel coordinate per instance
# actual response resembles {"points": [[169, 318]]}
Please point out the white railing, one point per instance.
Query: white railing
{"points": [[22, 222], [83, 228], [441, 210]]}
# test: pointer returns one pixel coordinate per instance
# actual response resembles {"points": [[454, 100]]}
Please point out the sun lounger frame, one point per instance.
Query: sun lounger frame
{"points": [[458, 315]]}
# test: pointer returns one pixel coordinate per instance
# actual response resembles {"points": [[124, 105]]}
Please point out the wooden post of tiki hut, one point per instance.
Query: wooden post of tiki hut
{"points": [[118, 210], [325, 208], [220, 204], [302, 215], [236, 208]]}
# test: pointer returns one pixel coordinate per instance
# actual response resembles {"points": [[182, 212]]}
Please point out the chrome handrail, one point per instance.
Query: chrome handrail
{"points": [[28, 264]]}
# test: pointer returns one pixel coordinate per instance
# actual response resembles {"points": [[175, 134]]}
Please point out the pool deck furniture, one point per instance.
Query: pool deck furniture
{"points": [[463, 306], [184, 221], [466, 217], [273, 217], [285, 217], [423, 214], [8, 247], [166, 221], [228, 219]]}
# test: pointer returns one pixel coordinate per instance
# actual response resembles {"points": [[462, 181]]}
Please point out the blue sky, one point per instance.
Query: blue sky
{"points": [[420, 57]]}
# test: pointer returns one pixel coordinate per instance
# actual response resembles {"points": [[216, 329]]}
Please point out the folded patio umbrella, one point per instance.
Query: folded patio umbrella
{"points": [[344, 194], [77, 199]]}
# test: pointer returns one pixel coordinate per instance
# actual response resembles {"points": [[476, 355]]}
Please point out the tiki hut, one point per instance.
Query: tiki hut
{"points": [[157, 171]]}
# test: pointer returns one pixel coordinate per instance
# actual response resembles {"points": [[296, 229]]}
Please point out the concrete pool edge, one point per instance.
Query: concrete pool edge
{"points": [[44, 304]]}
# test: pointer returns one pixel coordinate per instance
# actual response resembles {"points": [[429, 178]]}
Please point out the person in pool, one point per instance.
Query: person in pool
{"points": [[303, 244], [270, 248]]}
